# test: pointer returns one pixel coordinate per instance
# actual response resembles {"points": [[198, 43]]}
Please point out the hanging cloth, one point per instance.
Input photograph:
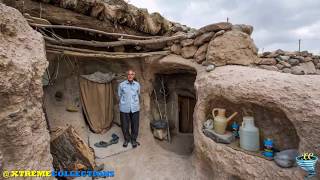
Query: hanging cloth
{"points": [[97, 100]]}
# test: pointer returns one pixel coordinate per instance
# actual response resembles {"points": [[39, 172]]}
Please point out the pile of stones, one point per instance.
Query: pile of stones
{"points": [[217, 44], [235, 47], [298, 63], [196, 47]]}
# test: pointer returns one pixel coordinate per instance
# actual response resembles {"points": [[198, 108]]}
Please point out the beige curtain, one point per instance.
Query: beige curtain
{"points": [[97, 103]]}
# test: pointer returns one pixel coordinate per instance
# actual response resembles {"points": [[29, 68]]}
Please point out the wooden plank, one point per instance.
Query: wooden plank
{"points": [[117, 35], [236, 146]]}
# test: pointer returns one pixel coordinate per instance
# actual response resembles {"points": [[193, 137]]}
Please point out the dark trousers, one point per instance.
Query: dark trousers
{"points": [[133, 119]]}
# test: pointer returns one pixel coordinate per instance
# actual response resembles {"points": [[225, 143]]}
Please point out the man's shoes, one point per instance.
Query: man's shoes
{"points": [[125, 144], [134, 143]]}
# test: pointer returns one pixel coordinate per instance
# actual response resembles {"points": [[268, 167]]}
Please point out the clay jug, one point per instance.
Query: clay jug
{"points": [[249, 135], [220, 120]]}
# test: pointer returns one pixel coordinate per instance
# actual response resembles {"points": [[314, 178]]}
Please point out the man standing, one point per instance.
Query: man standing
{"points": [[128, 92]]}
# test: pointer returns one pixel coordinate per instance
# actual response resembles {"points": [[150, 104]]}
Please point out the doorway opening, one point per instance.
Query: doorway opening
{"points": [[186, 107], [178, 105]]}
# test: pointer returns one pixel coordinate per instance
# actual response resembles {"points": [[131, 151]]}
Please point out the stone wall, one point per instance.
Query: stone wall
{"points": [[298, 63], [219, 44], [24, 138], [223, 44]]}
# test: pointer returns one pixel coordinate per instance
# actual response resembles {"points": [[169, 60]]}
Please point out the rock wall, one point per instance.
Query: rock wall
{"points": [[64, 81], [24, 138]]}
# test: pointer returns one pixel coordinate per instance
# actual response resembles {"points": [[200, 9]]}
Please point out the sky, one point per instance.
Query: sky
{"points": [[278, 24]]}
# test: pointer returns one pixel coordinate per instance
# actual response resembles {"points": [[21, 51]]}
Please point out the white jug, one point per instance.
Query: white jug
{"points": [[249, 135]]}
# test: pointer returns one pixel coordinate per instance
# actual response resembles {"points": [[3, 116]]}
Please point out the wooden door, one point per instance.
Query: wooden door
{"points": [[186, 107]]}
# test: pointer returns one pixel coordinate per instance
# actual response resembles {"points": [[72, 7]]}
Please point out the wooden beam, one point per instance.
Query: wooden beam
{"points": [[61, 48], [118, 35], [122, 42], [106, 55]]}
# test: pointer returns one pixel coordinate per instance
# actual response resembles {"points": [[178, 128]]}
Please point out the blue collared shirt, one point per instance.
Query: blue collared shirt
{"points": [[129, 96]]}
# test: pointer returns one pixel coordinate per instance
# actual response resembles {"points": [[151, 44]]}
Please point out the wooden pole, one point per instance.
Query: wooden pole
{"points": [[92, 30], [122, 42], [156, 98], [165, 108]]}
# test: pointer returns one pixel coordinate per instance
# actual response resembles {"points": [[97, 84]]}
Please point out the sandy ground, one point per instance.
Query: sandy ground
{"points": [[155, 160], [114, 149], [149, 162]]}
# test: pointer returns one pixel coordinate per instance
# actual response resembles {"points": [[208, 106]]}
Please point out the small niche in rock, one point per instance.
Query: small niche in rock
{"points": [[58, 95], [271, 121]]}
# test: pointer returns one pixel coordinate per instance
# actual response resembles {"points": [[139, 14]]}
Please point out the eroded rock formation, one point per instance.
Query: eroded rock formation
{"points": [[24, 138], [296, 96]]}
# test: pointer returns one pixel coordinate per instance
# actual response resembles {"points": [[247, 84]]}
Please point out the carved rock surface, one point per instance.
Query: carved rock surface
{"points": [[297, 96], [24, 138]]}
